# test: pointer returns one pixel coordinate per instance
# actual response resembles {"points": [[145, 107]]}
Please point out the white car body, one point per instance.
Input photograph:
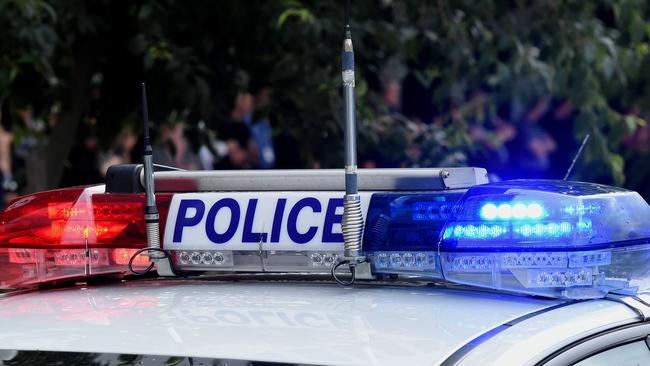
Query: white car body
{"points": [[302, 322]]}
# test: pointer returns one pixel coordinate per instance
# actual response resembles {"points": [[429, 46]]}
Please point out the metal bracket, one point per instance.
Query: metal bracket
{"points": [[364, 271], [444, 175], [164, 267]]}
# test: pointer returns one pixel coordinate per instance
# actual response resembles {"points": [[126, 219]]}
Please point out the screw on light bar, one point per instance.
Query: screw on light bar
{"points": [[43, 236]]}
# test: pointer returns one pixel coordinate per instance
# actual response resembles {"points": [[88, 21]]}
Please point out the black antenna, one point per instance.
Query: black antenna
{"points": [[152, 219], [575, 158], [151, 216]]}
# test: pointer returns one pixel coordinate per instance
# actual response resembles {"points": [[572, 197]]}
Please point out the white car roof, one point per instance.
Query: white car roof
{"points": [[283, 322], [272, 321]]}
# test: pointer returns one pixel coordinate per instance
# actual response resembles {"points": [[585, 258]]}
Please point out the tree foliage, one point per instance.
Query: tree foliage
{"points": [[196, 57]]}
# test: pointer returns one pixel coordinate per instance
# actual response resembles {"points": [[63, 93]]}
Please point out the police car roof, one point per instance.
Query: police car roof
{"points": [[286, 321]]}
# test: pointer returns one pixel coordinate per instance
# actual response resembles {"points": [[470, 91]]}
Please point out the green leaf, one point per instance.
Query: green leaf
{"points": [[617, 164], [303, 14], [636, 28]]}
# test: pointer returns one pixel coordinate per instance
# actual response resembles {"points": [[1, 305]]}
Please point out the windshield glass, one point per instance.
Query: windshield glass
{"points": [[46, 358]]}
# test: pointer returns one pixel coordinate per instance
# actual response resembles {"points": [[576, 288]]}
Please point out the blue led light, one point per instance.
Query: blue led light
{"points": [[582, 209], [479, 231], [504, 211], [544, 230], [432, 211], [534, 211], [489, 211], [519, 211]]}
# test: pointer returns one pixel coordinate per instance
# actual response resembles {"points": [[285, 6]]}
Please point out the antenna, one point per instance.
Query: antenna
{"points": [[151, 217], [352, 222], [575, 158]]}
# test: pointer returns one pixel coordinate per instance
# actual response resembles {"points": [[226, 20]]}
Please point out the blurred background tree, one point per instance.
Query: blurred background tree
{"points": [[465, 72]]}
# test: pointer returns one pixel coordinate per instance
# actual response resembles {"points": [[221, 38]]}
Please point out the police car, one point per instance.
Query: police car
{"points": [[458, 271], [349, 267]]}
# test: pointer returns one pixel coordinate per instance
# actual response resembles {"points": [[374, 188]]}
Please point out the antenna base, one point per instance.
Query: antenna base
{"points": [[363, 271], [164, 267], [352, 226]]}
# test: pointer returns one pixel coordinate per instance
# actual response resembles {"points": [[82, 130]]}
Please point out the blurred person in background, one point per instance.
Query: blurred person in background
{"points": [[29, 143], [83, 162], [252, 109], [238, 141], [173, 148], [6, 138], [120, 151]]}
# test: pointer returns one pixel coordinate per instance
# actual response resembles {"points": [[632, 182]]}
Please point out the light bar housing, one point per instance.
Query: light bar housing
{"points": [[549, 238]]}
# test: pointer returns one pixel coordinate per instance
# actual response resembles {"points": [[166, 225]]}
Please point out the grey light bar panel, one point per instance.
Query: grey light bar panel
{"points": [[318, 180]]}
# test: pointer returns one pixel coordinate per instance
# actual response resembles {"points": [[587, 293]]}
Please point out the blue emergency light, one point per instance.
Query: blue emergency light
{"points": [[550, 238]]}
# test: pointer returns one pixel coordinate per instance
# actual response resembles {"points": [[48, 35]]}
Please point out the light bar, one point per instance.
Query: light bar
{"points": [[549, 238]]}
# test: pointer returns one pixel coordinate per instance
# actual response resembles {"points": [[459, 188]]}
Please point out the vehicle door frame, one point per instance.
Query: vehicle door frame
{"points": [[597, 343]]}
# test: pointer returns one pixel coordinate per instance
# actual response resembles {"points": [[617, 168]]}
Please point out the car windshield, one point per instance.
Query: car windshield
{"points": [[49, 358]]}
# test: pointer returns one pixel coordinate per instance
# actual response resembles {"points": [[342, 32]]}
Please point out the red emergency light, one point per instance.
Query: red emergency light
{"points": [[71, 233]]}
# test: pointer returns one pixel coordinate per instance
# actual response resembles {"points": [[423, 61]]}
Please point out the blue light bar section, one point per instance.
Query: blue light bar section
{"points": [[529, 215], [408, 222], [545, 238]]}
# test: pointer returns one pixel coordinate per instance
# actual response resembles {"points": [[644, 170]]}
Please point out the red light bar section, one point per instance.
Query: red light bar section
{"points": [[74, 218], [72, 233]]}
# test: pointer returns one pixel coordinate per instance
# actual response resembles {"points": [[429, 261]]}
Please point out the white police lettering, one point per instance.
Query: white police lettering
{"points": [[241, 220]]}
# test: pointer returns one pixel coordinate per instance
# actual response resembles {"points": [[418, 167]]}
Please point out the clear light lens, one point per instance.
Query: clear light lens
{"points": [[22, 267], [203, 259], [405, 263], [541, 278], [580, 275], [254, 261]]}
